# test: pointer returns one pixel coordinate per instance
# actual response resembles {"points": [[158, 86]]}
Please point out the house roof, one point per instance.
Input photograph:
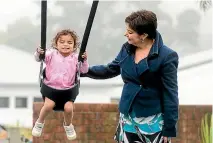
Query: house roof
{"points": [[17, 66]]}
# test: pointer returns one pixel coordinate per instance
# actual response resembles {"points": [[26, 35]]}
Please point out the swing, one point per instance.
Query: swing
{"points": [[69, 94]]}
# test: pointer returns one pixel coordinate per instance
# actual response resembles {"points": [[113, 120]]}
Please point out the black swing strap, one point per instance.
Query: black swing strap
{"points": [[43, 26], [43, 35], [88, 29], [86, 37]]}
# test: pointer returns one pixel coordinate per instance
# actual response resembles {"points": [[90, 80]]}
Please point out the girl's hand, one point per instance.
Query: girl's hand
{"points": [[84, 56], [40, 51]]}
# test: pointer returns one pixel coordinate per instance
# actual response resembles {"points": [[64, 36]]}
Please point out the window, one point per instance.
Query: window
{"points": [[21, 102], [4, 102], [37, 99]]}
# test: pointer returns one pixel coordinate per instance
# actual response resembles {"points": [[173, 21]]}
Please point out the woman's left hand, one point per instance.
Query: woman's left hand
{"points": [[166, 140]]}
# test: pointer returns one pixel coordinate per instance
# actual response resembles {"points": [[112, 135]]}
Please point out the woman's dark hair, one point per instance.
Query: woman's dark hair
{"points": [[143, 21]]}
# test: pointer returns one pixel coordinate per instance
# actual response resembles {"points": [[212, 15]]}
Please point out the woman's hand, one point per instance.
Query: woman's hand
{"points": [[166, 140]]}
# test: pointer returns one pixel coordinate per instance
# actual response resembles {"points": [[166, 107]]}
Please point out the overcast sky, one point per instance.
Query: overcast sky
{"points": [[10, 10]]}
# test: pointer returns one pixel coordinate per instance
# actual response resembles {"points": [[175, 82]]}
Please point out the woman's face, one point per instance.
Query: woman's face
{"points": [[132, 37]]}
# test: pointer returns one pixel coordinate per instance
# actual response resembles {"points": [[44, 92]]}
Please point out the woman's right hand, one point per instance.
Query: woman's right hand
{"points": [[40, 50]]}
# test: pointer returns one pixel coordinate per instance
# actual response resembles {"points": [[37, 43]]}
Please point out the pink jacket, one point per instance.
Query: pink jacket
{"points": [[60, 70]]}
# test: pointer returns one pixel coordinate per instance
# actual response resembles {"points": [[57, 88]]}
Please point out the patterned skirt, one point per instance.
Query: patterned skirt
{"points": [[140, 130]]}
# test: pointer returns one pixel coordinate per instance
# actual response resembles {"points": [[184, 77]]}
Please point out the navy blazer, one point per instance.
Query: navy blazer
{"points": [[150, 87]]}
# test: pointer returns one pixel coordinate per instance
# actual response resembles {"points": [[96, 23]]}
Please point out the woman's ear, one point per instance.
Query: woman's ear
{"points": [[145, 35], [141, 38]]}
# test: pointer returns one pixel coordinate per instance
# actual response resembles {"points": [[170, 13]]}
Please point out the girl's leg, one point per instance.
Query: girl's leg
{"points": [[38, 127], [68, 115], [46, 109]]}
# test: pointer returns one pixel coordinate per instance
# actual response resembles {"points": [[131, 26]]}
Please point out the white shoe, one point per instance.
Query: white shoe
{"points": [[70, 132], [37, 129]]}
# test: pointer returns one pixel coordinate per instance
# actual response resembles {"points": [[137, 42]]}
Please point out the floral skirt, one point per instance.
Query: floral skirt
{"points": [[142, 138], [140, 130]]}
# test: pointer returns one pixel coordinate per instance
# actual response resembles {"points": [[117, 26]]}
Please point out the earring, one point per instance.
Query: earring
{"points": [[142, 40]]}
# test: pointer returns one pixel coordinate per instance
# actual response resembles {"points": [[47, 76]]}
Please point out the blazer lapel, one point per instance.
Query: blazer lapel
{"points": [[128, 66], [142, 67]]}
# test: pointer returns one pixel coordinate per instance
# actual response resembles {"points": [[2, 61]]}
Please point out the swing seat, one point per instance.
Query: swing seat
{"points": [[59, 96]]}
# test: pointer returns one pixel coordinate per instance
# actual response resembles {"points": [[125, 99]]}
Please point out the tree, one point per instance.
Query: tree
{"points": [[186, 32], [22, 34], [205, 4]]}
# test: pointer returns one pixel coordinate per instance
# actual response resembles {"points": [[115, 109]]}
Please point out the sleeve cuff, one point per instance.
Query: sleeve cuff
{"points": [[169, 133]]}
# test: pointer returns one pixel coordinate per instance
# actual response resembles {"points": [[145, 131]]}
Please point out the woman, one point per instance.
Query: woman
{"points": [[149, 101]]}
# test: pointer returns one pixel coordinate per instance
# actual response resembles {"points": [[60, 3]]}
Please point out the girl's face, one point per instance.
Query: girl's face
{"points": [[65, 44]]}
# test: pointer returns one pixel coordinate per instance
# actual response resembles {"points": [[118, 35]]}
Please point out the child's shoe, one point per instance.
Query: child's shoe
{"points": [[37, 129], [70, 132]]}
